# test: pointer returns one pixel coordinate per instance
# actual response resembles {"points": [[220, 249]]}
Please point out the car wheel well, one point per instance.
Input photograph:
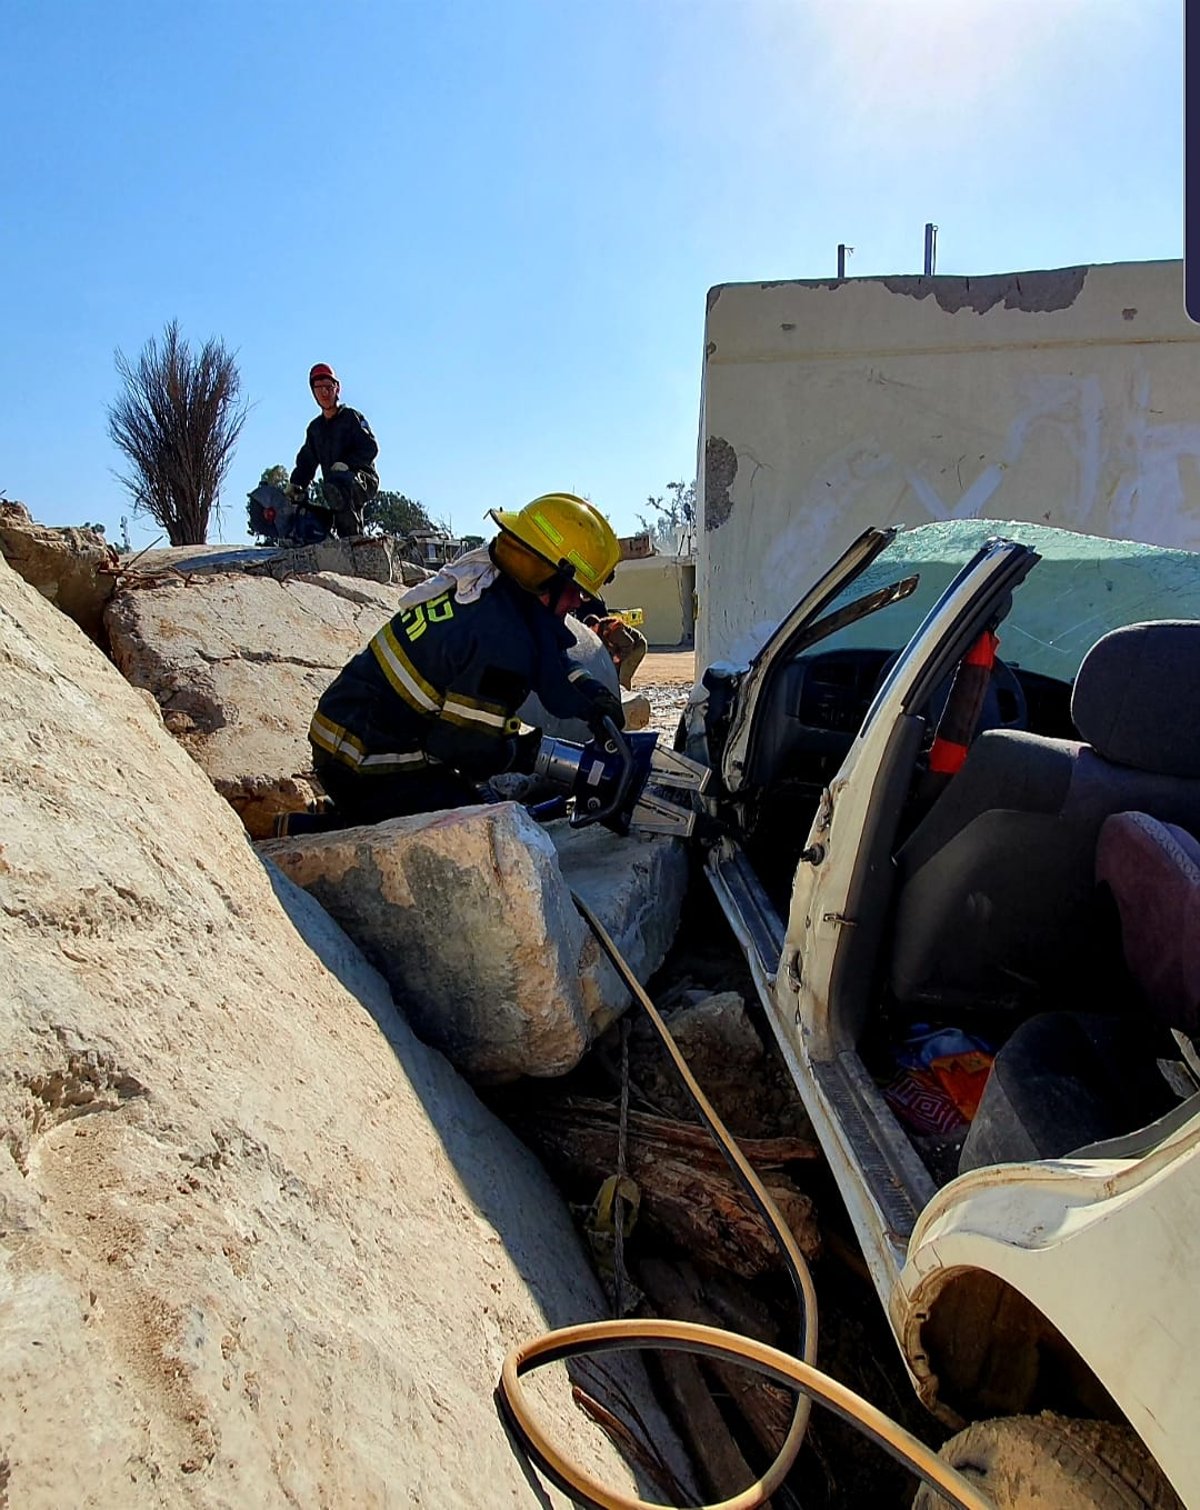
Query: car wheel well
{"points": [[988, 1350]]}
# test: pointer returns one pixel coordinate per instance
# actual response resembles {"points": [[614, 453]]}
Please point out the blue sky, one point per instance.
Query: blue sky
{"points": [[499, 220]]}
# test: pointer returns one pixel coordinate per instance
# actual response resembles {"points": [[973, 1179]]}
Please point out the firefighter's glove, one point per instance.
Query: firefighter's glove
{"points": [[604, 704], [525, 747]]}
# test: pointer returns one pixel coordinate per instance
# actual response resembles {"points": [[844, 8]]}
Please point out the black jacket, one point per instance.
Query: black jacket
{"points": [[346, 437], [444, 679]]}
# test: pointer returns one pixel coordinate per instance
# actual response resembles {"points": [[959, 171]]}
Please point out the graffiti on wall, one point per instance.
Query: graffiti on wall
{"points": [[1068, 457]]}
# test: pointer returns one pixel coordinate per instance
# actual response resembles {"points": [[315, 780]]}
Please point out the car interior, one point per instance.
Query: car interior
{"points": [[1043, 902]]}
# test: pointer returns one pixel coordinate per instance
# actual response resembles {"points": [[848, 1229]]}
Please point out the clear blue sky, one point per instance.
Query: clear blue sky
{"points": [[498, 218]]}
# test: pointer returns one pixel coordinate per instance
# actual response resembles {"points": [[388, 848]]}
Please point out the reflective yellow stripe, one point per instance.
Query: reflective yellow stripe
{"points": [[336, 740], [582, 567], [467, 717], [547, 528], [350, 750], [380, 765], [402, 675], [460, 709]]}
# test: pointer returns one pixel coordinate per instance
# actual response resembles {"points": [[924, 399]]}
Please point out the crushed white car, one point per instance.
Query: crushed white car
{"points": [[951, 823]]}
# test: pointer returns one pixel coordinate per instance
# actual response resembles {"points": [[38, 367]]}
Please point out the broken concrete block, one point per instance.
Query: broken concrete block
{"points": [[468, 915], [635, 886], [74, 568], [375, 558], [281, 1258], [637, 710]]}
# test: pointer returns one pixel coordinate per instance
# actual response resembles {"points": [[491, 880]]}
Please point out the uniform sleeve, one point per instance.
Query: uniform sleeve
{"points": [[565, 689], [361, 446], [306, 464], [568, 691]]}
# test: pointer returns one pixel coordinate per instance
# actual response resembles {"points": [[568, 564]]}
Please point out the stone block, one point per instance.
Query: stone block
{"points": [[237, 662], [468, 915], [74, 568], [260, 1245]]}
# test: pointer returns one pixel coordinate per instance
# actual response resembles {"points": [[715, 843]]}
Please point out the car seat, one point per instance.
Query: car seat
{"points": [[996, 904], [1079, 1082]]}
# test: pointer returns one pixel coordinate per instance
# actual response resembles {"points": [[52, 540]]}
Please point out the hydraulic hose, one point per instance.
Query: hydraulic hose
{"points": [[713, 1342]]}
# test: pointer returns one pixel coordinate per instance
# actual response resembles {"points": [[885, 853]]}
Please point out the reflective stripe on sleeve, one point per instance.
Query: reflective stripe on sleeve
{"points": [[350, 750], [467, 713]]}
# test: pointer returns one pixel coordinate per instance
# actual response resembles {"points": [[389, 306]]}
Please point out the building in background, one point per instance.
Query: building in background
{"points": [[1069, 397]]}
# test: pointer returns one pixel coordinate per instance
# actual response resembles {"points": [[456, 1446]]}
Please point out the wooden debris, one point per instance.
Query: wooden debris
{"points": [[678, 1291], [688, 1192]]}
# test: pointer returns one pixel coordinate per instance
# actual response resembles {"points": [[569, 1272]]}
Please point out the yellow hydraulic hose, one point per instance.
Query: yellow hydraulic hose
{"points": [[712, 1342]]}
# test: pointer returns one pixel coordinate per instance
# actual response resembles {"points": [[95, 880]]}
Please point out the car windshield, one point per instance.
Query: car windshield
{"points": [[1081, 588]]}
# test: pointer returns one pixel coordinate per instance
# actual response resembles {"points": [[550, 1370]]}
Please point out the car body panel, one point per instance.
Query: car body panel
{"points": [[1103, 1249], [845, 570]]}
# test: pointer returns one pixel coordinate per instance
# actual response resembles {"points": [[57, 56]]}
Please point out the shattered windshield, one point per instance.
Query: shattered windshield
{"points": [[1082, 587]]}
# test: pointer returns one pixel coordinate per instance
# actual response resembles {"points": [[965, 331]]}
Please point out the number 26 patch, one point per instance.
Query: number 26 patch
{"points": [[415, 621]]}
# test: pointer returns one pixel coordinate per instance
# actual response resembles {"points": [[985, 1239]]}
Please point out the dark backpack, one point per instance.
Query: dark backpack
{"points": [[275, 518]]}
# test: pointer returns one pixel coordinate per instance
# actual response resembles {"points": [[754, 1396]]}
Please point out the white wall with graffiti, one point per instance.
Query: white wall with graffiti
{"points": [[1069, 397]]}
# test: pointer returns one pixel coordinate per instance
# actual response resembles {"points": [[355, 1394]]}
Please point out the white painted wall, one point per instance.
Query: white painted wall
{"points": [[1069, 397], [663, 588]]}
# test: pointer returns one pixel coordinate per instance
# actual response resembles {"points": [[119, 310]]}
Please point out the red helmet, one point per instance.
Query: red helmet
{"points": [[321, 369]]}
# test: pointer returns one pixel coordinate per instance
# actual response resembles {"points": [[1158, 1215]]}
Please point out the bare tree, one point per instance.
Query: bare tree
{"points": [[177, 421]]}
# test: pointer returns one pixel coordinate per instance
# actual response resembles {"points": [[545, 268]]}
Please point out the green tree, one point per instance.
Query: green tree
{"points": [[177, 421], [391, 513], [676, 516], [276, 476]]}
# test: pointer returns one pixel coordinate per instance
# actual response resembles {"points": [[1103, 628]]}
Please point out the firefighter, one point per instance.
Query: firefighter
{"points": [[341, 443], [625, 644], [428, 708]]}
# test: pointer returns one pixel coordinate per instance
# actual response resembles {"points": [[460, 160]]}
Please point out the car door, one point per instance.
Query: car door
{"points": [[817, 989], [755, 684]]}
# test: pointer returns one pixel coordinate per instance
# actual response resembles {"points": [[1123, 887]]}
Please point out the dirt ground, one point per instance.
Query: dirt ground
{"points": [[666, 677], [667, 666]]}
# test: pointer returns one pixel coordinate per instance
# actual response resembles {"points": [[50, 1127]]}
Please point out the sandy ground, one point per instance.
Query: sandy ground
{"points": [[666, 677]]}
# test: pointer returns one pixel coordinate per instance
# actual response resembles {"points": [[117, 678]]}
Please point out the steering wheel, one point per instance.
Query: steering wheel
{"points": [[1004, 705]]}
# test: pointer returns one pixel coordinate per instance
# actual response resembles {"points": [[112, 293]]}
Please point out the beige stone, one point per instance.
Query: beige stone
{"points": [[237, 663], [258, 1246], [74, 568], [468, 914]]}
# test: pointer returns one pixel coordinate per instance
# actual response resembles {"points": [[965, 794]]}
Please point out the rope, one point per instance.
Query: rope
{"points": [[619, 1275]]}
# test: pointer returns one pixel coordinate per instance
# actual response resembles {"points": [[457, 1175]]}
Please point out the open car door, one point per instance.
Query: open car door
{"points": [[784, 642]]}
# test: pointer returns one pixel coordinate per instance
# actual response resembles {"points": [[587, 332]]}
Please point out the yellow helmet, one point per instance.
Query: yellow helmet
{"points": [[569, 533]]}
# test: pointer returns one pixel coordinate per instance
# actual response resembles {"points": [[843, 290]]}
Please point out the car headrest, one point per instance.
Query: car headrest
{"points": [[1136, 695]]}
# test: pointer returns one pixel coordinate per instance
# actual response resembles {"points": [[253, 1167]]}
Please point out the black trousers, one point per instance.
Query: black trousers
{"points": [[349, 493], [361, 798]]}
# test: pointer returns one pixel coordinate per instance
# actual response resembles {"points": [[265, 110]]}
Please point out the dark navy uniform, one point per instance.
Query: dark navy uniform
{"points": [[344, 438], [429, 706]]}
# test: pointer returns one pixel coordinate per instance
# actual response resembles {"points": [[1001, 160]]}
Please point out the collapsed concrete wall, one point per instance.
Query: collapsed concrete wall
{"points": [[662, 587], [1066, 397], [258, 1246]]}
